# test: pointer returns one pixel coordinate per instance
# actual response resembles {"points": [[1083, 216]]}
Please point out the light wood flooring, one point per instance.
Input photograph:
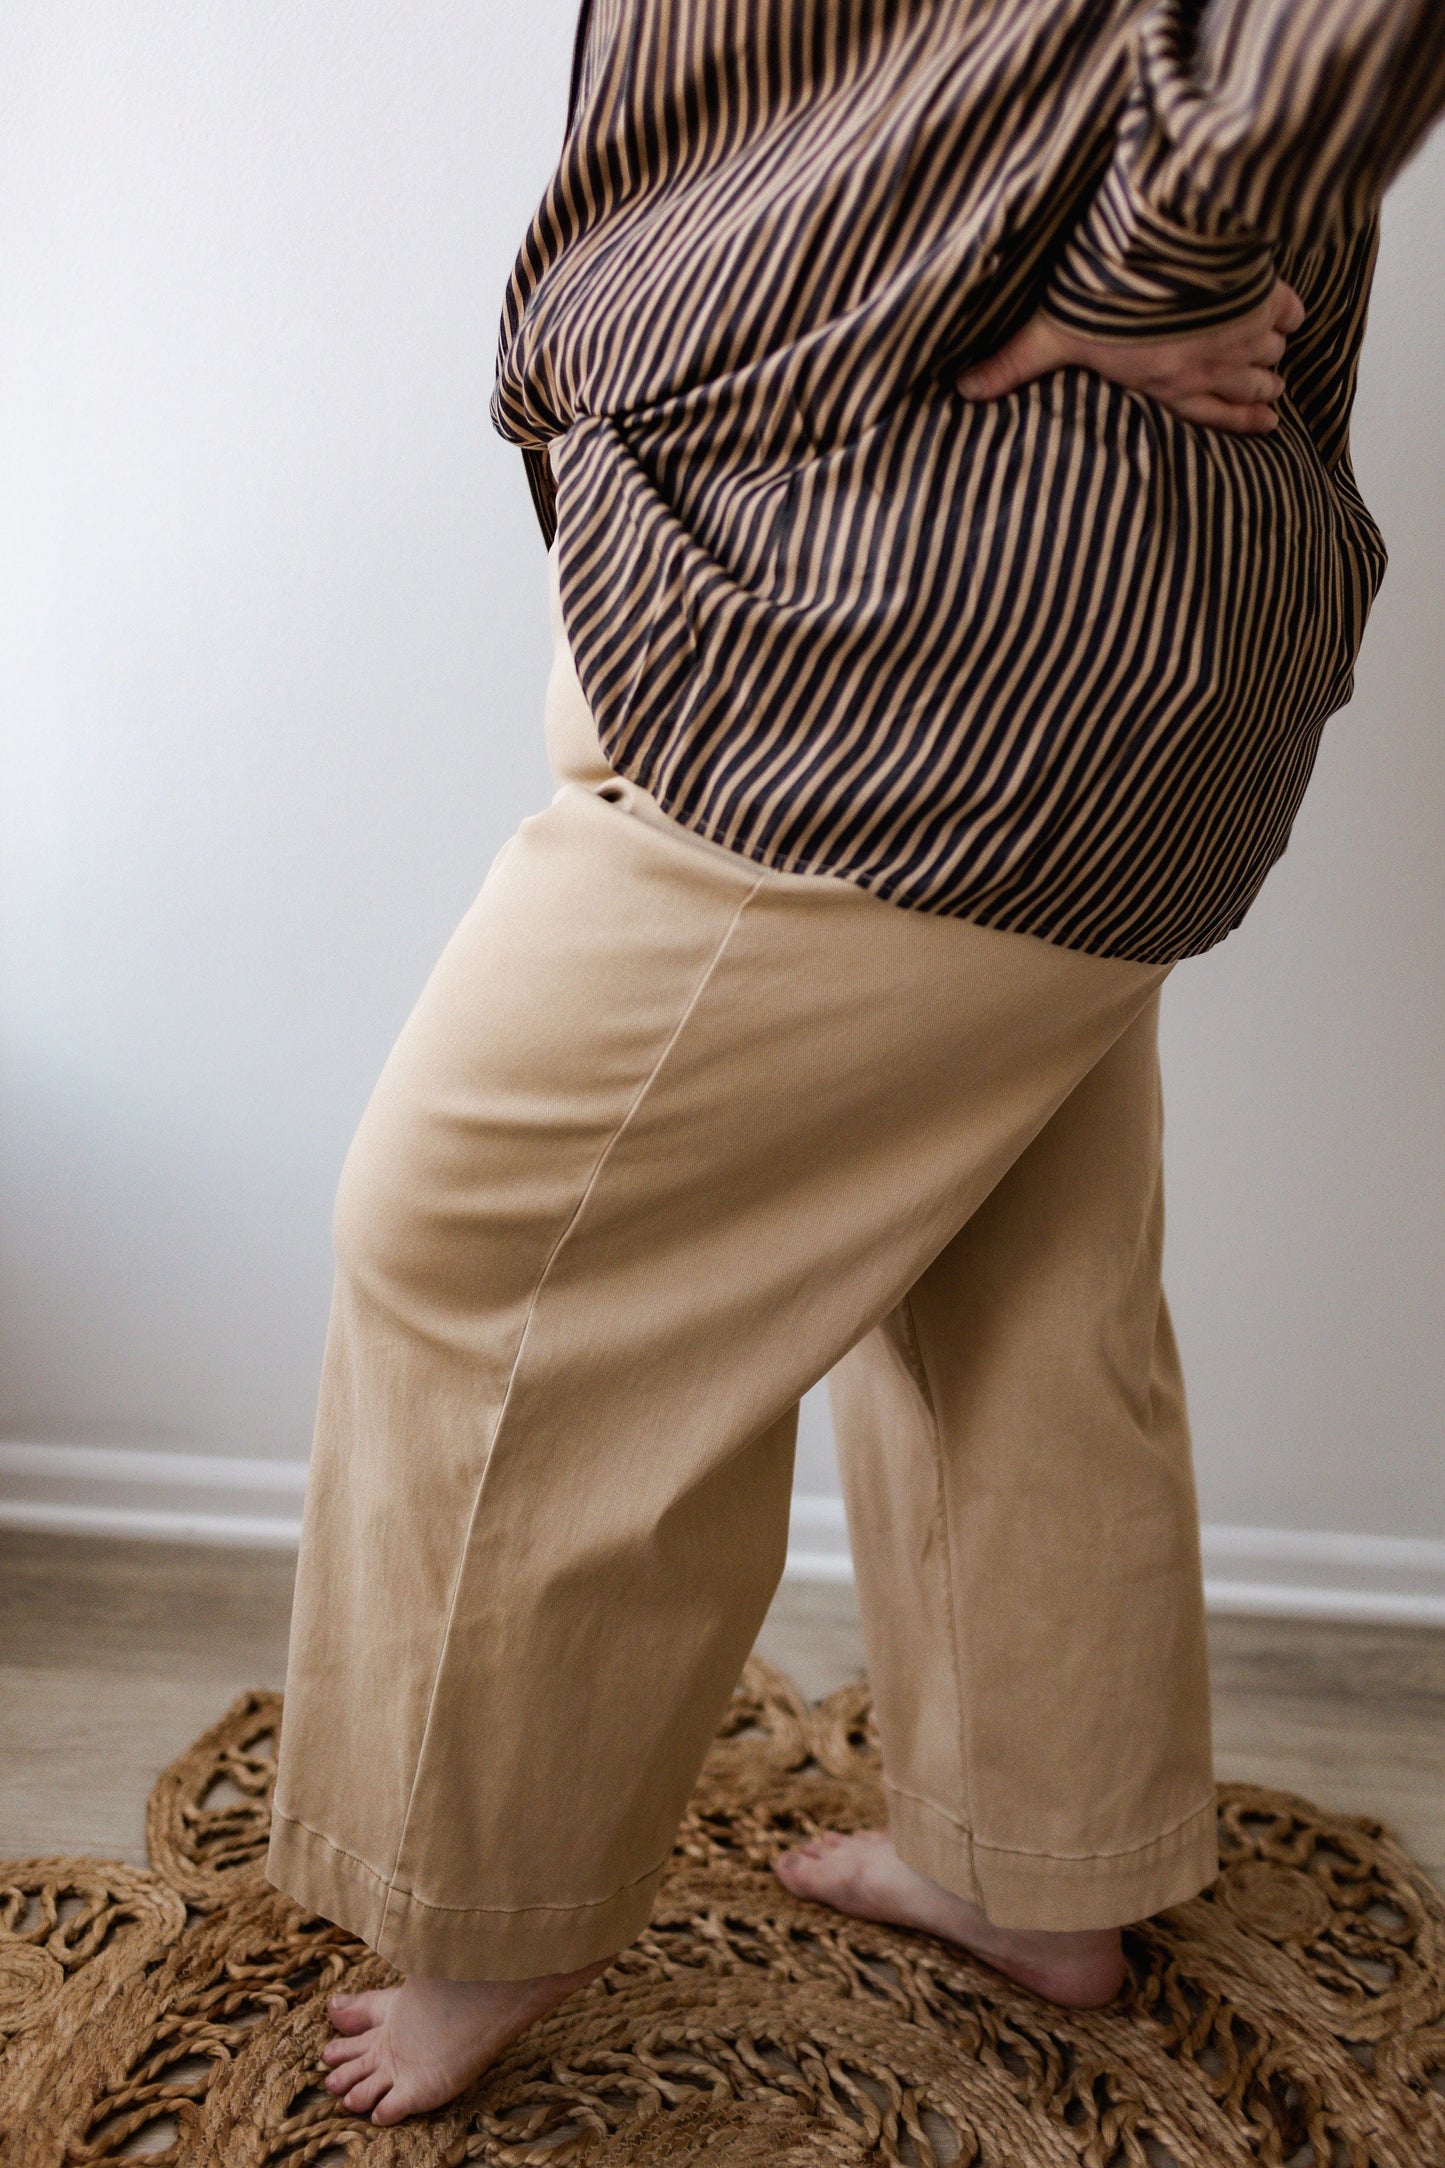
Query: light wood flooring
{"points": [[114, 1656]]}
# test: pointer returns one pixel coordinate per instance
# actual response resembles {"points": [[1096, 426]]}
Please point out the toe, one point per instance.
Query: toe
{"points": [[364, 2096], [343, 2049], [349, 2074], [354, 2013], [403, 2100]]}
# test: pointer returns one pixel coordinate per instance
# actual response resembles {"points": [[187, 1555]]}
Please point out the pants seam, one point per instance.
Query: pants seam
{"points": [[1023, 1851], [390, 1885], [915, 1350], [354, 1859], [587, 1188]]}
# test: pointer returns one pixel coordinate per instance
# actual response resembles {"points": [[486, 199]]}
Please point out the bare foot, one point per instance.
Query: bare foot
{"points": [[404, 2049], [864, 1876]]}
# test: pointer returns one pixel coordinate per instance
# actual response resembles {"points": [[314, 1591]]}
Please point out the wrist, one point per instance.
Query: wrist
{"points": [[1128, 273]]}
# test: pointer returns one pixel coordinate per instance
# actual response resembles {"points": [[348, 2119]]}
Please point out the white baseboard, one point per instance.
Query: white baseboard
{"points": [[1299, 1573], [818, 1540], [100, 1490], [228, 1498], [1266, 1572]]}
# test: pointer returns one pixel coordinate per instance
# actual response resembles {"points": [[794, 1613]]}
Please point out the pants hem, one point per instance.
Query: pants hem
{"points": [[1043, 1890], [451, 1942]]}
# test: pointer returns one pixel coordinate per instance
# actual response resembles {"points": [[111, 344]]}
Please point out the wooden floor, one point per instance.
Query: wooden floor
{"points": [[113, 1656]]}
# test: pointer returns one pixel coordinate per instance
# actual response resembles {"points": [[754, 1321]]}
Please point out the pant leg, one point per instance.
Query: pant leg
{"points": [[663, 1138], [1015, 1456]]}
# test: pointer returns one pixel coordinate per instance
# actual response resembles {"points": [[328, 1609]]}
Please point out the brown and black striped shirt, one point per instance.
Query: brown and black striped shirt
{"points": [[1056, 663]]}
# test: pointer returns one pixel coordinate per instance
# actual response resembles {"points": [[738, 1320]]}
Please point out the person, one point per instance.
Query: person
{"points": [[942, 409]]}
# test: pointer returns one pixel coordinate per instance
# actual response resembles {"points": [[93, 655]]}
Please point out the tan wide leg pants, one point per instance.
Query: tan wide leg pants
{"points": [[667, 1138]]}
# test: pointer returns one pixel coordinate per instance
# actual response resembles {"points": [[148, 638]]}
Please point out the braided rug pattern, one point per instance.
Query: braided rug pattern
{"points": [[1294, 2015]]}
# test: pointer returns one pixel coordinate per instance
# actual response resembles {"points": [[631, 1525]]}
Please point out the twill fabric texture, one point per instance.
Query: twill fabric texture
{"points": [[1056, 663], [666, 1139]]}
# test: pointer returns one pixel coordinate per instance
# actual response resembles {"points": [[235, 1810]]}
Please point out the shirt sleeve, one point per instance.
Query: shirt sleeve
{"points": [[1251, 125]]}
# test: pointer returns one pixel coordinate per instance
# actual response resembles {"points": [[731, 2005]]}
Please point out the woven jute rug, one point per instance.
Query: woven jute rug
{"points": [[1294, 2014]]}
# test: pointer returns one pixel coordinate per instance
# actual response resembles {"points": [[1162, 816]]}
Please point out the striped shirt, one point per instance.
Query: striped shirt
{"points": [[1056, 663]]}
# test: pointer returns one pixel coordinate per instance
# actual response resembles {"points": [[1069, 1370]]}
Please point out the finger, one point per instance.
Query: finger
{"points": [[1247, 387], [1260, 336], [993, 379], [1254, 339], [1226, 414], [1031, 353], [1220, 376], [1287, 310], [1260, 350]]}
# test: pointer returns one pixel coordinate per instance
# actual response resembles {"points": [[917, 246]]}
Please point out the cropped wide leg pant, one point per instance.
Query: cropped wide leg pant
{"points": [[667, 1138]]}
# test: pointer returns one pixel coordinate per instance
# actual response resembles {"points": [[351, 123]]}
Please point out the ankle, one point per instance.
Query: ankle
{"points": [[1063, 1941], [542, 1986]]}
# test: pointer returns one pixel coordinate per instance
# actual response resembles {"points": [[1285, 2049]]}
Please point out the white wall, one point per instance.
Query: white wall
{"points": [[274, 643], [1305, 1058], [274, 621]]}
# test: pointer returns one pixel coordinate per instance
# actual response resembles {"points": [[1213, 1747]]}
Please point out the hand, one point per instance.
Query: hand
{"points": [[1223, 377]]}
